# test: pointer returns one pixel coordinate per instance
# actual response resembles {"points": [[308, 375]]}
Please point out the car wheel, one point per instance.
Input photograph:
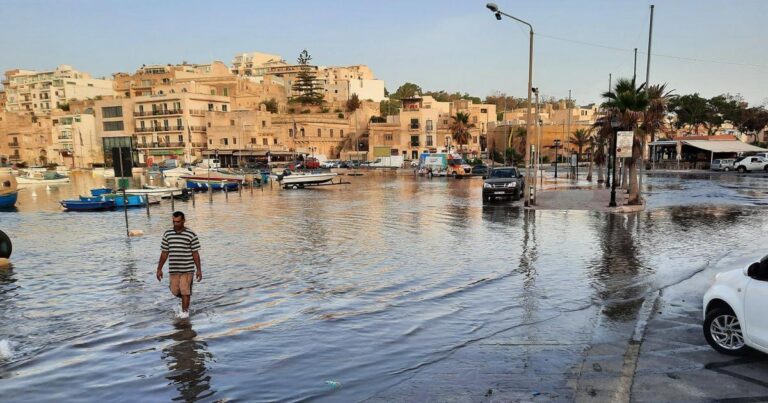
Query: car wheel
{"points": [[454, 175], [726, 169], [742, 169], [722, 330], [766, 168]]}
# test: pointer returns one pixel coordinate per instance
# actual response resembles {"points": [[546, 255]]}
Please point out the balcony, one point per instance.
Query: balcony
{"points": [[198, 112], [198, 128], [14, 145], [415, 143], [158, 113], [158, 129], [413, 126], [161, 145]]}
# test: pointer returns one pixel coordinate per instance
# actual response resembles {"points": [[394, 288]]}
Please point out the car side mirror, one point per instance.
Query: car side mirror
{"points": [[758, 270]]}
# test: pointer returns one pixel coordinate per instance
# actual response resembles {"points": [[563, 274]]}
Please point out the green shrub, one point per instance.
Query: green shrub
{"points": [[341, 116]]}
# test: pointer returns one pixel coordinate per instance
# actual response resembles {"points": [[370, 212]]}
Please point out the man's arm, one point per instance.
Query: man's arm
{"points": [[199, 273], [160, 264]]}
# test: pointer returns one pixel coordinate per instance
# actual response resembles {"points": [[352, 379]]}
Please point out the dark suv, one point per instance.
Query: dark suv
{"points": [[506, 182]]}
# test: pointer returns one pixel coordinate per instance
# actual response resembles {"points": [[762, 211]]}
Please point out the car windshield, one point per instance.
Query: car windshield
{"points": [[457, 161], [503, 173]]}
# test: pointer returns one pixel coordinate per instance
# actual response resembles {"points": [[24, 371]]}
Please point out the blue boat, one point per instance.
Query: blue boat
{"points": [[88, 205], [9, 199], [222, 185], [197, 186], [133, 200], [100, 191]]}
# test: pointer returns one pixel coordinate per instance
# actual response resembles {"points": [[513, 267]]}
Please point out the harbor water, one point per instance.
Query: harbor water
{"points": [[342, 293]]}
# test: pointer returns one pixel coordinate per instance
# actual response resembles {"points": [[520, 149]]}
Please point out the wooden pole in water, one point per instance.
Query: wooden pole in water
{"points": [[173, 208], [125, 199], [226, 189], [145, 195], [193, 199]]}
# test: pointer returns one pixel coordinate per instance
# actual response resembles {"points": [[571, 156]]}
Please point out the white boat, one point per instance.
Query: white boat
{"points": [[42, 178], [154, 191], [177, 172], [302, 179], [216, 174]]}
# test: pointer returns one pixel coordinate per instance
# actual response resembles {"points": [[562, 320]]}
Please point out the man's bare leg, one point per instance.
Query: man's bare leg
{"points": [[185, 303]]}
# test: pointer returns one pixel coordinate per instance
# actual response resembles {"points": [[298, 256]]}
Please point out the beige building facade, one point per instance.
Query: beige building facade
{"points": [[74, 142], [41, 92], [24, 138]]}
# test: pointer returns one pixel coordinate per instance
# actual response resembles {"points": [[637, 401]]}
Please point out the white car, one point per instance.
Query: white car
{"points": [[734, 310], [752, 163]]}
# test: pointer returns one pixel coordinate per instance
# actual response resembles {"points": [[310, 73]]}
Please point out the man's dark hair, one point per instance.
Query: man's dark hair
{"points": [[178, 214]]}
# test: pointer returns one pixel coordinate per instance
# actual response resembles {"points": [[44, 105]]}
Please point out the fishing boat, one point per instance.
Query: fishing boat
{"points": [[132, 200], [8, 199], [196, 186], [297, 180], [42, 178], [177, 172], [88, 204], [164, 192], [214, 184]]}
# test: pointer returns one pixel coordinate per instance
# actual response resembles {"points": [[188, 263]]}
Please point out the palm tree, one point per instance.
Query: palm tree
{"points": [[629, 102], [602, 143], [658, 104], [460, 128], [580, 138]]}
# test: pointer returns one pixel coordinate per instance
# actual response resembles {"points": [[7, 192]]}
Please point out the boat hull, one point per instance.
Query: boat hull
{"points": [[88, 205], [8, 200], [307, 179]]}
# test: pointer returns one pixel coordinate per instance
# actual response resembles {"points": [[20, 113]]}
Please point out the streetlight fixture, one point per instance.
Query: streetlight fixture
{"points": [[556, 146], [498, 13], [615, 123]]}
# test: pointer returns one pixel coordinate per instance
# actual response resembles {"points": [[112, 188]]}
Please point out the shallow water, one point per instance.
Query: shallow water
{"points": [[362, 285]]}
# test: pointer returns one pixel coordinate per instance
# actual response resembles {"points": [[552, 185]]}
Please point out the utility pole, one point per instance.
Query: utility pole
{"points": [[634, 70], [568, 132], [608, 160], [647, 84]]}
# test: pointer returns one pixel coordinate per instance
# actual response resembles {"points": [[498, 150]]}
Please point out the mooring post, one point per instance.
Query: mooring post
{"points": [[193, 199], [147, 196], [210, 192], [125, 209], [226, 193], [173, 208]]}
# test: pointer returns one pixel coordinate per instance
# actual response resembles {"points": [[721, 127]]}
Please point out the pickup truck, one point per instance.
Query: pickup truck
{"points": [[750, 164]]}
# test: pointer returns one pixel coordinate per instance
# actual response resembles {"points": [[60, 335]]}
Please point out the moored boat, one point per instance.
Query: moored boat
{"points": [[100, 191], [303, 179], [42, 178], [8, 199], [8, 190], [88, 204]]}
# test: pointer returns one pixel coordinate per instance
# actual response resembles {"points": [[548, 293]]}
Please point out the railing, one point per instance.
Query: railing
{"points": [[414, 143], [198, 145], [14, 144], [159, 113], [197, 112], [198, 128], [413, 126], [161, 145], [158, 129]]}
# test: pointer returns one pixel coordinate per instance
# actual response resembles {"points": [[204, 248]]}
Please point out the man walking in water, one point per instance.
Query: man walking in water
{"points": [[180, 247]]}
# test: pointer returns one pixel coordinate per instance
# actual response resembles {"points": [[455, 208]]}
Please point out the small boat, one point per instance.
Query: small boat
{"points": [[100, 191], [177, 172], [132, 200], [302, 179], [8, 190], [88, 204], [213, 184], [197, 186], [8, 199], [40, 178], [164, 192]]}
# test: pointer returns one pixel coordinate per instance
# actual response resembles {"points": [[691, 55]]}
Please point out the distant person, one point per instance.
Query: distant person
{"points": [[180, 247]]}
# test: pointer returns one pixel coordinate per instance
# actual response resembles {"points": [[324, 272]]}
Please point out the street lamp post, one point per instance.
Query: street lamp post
{"points": [[615, 123], [498, 13], [556, 146]]}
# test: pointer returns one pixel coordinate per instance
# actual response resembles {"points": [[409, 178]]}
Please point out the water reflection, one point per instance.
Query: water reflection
{"points": [[501, 213], [186, 359], [618, 273]]}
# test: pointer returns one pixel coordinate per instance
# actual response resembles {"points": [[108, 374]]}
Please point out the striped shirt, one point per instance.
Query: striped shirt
{"points": [[180, 246]]}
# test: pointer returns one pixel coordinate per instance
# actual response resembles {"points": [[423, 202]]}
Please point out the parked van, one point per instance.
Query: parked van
{"points": [[212, 163], [725, 164]]}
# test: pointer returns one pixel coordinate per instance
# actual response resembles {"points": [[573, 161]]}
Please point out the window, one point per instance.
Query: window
{"points": [[483, 110], [319, 132], [213, 92], [232, 122], [414, 123], [165, 124], [144, 140], [330, 131], [234, 140], [274, 141], [113, 126], [141, 124], [112, 112], [265, 141], [210, 107], [226, 92], [263, 123], [387, 136], [474, 139], [429, 141], [223, 108], [210, 141], [253, 140], [177, 106], [290, 132], [225, 141], [341, 132], [181, 138], [302, 132], [178, 124], [474, 119], [429, 125]]}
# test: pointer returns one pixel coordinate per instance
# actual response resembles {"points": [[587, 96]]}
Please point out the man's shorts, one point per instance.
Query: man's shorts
{"points": [[181, 283]]}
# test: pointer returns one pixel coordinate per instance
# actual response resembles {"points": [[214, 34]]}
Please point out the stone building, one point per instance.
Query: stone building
{"points": [[240, 137], [74, 142], [41, 92], [24, 138]]}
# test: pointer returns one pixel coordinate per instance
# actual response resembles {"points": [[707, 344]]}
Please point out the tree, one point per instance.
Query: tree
{"points": [[406, 90], [460, 128], [353, 103], [724, 108], [581, 138], [603, 139], [629, 102], [308, 89], [753, 120], [691, 110], [658, 104], [271, 105]]}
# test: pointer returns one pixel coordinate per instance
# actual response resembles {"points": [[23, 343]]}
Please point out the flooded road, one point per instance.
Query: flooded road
{"points": [[344, 293]]}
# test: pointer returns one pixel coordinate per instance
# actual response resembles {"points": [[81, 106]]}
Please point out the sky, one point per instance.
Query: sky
{"points": [[710, 47]]}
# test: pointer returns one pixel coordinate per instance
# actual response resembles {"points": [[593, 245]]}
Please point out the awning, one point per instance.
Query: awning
{"points": [[221, 152], [720, 146], [250, 153]]}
